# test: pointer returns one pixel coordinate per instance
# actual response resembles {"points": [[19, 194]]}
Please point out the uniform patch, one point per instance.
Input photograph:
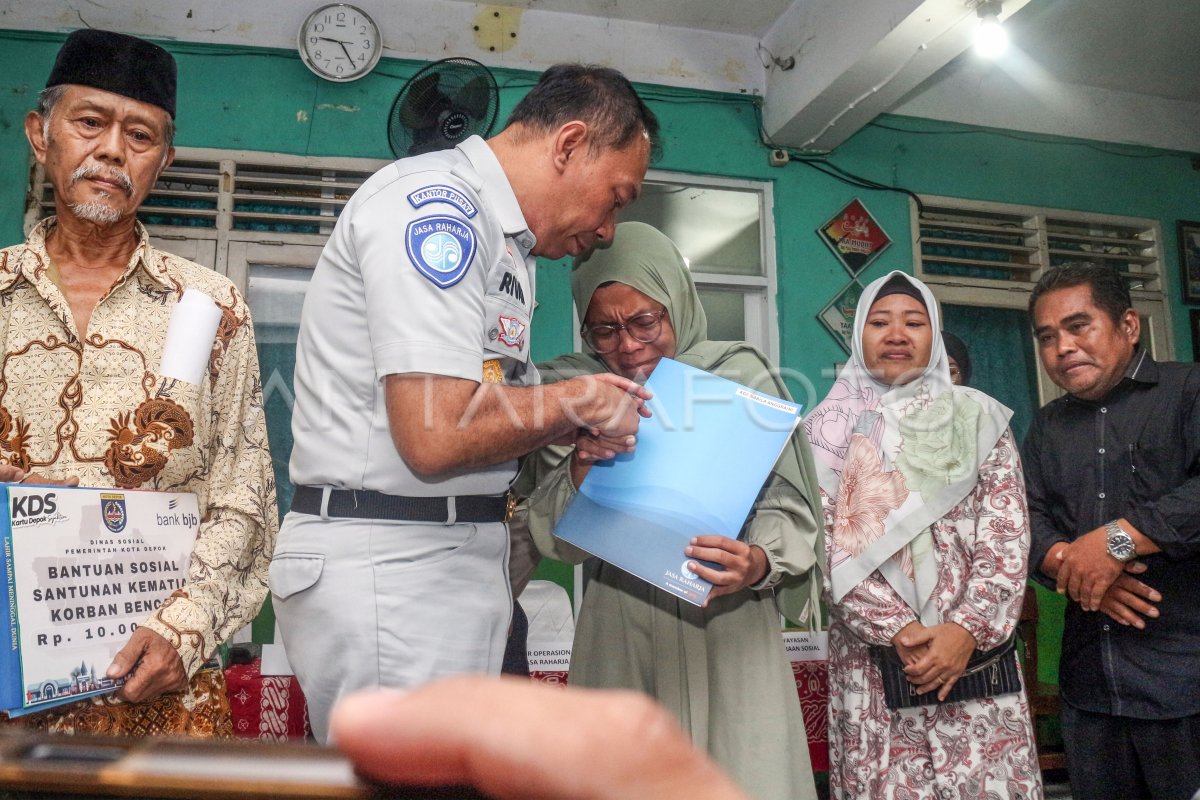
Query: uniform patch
{"points": [[492, 372], [441, 248], [512, 331], [442, 194]]}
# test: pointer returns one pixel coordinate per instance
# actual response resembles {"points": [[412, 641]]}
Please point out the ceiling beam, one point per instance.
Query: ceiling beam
{"points": [[854, 60]]}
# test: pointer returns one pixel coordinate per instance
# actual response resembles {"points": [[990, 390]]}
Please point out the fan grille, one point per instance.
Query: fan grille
{"points": [[443, 104]]}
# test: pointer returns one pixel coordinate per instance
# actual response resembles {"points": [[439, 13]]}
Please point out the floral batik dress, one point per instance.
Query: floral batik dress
{"points": [[965, 750]]}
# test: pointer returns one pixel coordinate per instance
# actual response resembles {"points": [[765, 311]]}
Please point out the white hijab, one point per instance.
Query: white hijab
{"points": [[892, 460]]}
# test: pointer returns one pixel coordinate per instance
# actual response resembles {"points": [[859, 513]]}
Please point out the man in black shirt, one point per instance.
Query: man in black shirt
{"points": [[1113, 476]]}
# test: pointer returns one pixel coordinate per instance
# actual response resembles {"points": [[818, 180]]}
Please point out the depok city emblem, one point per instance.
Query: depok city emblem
{"points": [[112, 511]]}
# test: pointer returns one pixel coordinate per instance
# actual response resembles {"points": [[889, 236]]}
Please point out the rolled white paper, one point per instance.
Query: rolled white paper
{"points": [[190, 335]]}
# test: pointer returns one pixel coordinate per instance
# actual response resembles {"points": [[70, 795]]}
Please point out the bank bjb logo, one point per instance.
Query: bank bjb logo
{"points": [[112, 511], [33, 505]]}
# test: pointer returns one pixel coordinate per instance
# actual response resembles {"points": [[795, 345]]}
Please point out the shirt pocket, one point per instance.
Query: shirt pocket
{"points": [[1154, 466], [159, 442]]}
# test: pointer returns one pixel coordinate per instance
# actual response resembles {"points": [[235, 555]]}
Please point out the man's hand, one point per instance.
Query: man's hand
{"points": [[155, 664], [11, 474], [525, 740], [609, 406], [1126, 600], [37, 477], [745, 564], [950, 647], [1087, 570]]}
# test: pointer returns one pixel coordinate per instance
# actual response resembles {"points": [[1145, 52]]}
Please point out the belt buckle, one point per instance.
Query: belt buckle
{"points": [[510, 505]]}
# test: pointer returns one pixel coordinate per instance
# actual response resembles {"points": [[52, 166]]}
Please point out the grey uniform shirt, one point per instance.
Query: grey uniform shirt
{"points": [[427, 271]]}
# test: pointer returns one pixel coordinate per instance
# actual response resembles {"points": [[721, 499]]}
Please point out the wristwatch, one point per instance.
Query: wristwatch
{"points": [[1120, 543]]}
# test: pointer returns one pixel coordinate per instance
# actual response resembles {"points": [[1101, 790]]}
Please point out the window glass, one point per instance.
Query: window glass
{"points": [[717, 229], [726, 312], [276, 295]]}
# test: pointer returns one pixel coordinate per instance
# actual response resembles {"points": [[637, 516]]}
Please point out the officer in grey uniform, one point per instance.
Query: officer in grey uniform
{"points": [[415, 389]]}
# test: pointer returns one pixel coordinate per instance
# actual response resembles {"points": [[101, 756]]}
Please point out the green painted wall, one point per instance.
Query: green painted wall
{"points": [[259, 99]]}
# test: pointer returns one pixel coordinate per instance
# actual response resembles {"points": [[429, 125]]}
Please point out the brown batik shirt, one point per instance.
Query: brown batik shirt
{"points": [[98, 409]]}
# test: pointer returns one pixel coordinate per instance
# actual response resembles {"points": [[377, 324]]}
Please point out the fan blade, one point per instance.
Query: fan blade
{"points": [[425, 140], [421, 101], [475, 97]]}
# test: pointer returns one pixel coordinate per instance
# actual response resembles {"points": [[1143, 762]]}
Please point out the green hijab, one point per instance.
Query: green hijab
{"points": [[643, 258]]}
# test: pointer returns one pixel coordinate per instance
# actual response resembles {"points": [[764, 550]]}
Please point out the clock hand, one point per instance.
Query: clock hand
{"points": [[349, 57]]}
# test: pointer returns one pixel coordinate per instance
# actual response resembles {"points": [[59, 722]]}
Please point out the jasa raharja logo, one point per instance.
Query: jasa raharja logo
{"points": [[25, 506]]}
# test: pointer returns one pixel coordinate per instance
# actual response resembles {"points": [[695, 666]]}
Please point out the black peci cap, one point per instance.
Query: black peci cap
{"points": [[115, 62]]}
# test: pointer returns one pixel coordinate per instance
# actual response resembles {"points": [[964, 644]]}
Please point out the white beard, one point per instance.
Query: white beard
{"points": [[97, 212]]}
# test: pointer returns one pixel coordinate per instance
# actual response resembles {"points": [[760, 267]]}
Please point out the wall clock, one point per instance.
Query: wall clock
{"points": [[340, 42]]}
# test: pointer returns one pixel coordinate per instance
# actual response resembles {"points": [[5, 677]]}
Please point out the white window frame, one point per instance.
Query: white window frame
{"points": [[759, 292]]}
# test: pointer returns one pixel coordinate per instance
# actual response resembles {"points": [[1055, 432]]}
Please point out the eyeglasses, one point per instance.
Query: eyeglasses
{"points": [[604, 339]]}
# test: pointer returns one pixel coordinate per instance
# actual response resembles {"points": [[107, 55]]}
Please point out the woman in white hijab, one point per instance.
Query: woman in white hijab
{"points": [[928, 544]]}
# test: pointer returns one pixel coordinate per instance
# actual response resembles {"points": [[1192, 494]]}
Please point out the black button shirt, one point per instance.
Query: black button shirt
{"points": [[1134, 454]]}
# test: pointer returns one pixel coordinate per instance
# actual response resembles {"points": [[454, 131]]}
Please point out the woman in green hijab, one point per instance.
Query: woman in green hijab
{"points": [[720, 669]]}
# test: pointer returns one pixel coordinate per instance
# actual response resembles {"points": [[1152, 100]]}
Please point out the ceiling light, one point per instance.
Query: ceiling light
{"points": [[990, 39]]}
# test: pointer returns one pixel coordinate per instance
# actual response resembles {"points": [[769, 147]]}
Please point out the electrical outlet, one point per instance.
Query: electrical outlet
{"points": [[778, 158]]}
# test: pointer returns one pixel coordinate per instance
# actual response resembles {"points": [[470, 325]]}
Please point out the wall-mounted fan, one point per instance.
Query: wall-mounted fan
{"points": [[441, 106]]}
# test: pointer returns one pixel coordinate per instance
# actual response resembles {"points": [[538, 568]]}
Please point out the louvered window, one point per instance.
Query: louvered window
{"points": [[226, 197], [1003, 246], [982, 260]]}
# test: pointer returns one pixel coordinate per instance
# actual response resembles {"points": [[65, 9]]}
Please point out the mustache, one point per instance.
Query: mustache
{"points": [[111, 173]]}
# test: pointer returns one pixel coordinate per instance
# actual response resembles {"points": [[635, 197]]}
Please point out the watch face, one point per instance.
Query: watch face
{"points": [[1120, 545], [340, 42]]}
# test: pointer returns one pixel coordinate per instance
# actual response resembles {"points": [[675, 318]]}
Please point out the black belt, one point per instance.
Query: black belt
{"points": [[369, 504]]}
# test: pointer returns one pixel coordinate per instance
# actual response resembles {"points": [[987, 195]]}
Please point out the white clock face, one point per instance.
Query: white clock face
{"points": [[340, 42]]}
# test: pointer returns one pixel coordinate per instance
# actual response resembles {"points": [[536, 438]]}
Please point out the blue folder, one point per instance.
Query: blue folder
{"points": [[700, 463]]}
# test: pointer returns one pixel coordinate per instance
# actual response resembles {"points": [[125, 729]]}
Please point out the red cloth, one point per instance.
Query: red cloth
{"points": [[552, 678], [270, 708], [812, 684]]}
